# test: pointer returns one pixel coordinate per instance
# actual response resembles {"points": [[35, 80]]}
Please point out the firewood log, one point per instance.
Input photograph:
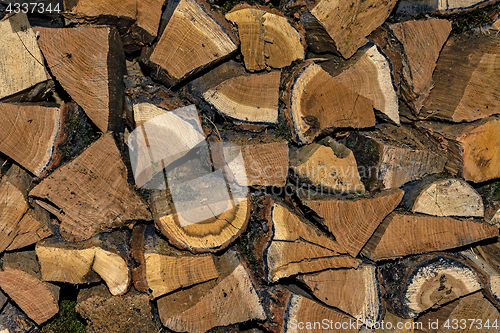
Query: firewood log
{"points": [[391, 156], [352, 222], [315, 103], [297, 246], [108, 313], [89, 63], [194, 39], [21, 280], [14, 320], [91, 195], [104, 256], [230, 299], [164, 268], [465, 93], [244, 97], [33, 227], [416, 284], [328, 166], [472, 148], [443, 197], [23, 76], [137, 21], [401, 235], [354, 291], [415, 7], [268, 38]]}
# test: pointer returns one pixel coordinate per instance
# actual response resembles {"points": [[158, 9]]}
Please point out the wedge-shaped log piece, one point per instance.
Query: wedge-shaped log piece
{"points": [[164, 268], [391, 156], [401, 235], [297, 246], [327, 165], [21, 280], [316, 103], [353, 222], [422, 42], [349, 22], [466, 92], [473, 149], [137, 21], [78, 263], [22, 73], [447, 197], [426, 282], [268, 39], [91, 195], [230, 299], [89, 63], [369, 75], [415, 7], [195, 38], [30, 134], [33, 227], [303, 314], [355, 291], [488, 272]]}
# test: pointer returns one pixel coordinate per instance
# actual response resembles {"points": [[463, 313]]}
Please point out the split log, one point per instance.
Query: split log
{"points": [[466, 92], [14, 320], [230, 299], [268, 38], [328, 166], [91, 195], [194, 39], [401, 235], [315, 104], [415, 7], [422, 42], [165, 269], [106, 313], [297, 246], [33, 227], [23, 76], [473, 149], [105, 255], [247, 98], [391, 156], [354, 291], [488, 275], [89, 63], [32, 134], [137, 21], [447, 197], [21, 280], [353, 222], [417, 284]]}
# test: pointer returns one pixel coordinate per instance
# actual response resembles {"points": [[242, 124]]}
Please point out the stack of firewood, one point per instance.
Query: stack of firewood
{"points": [[358, 150]]}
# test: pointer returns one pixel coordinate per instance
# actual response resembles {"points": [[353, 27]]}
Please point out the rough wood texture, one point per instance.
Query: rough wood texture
{"points": [[91, 194], [30, 134], [137, 21], [296, 246], [391, 156], [166, 269], [417, 284], [328, 166], [447, 197], [230, 299], [473, 149], [354, 291], [194, 39], [401, 235], [33, 227], [315, 103], [21, 280], [414, 7], [14, 320], [422, 42], [353, 222], [22, 72], [488, 275], [89, 64], [467, 92], [349, 22], [268, 39]]}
